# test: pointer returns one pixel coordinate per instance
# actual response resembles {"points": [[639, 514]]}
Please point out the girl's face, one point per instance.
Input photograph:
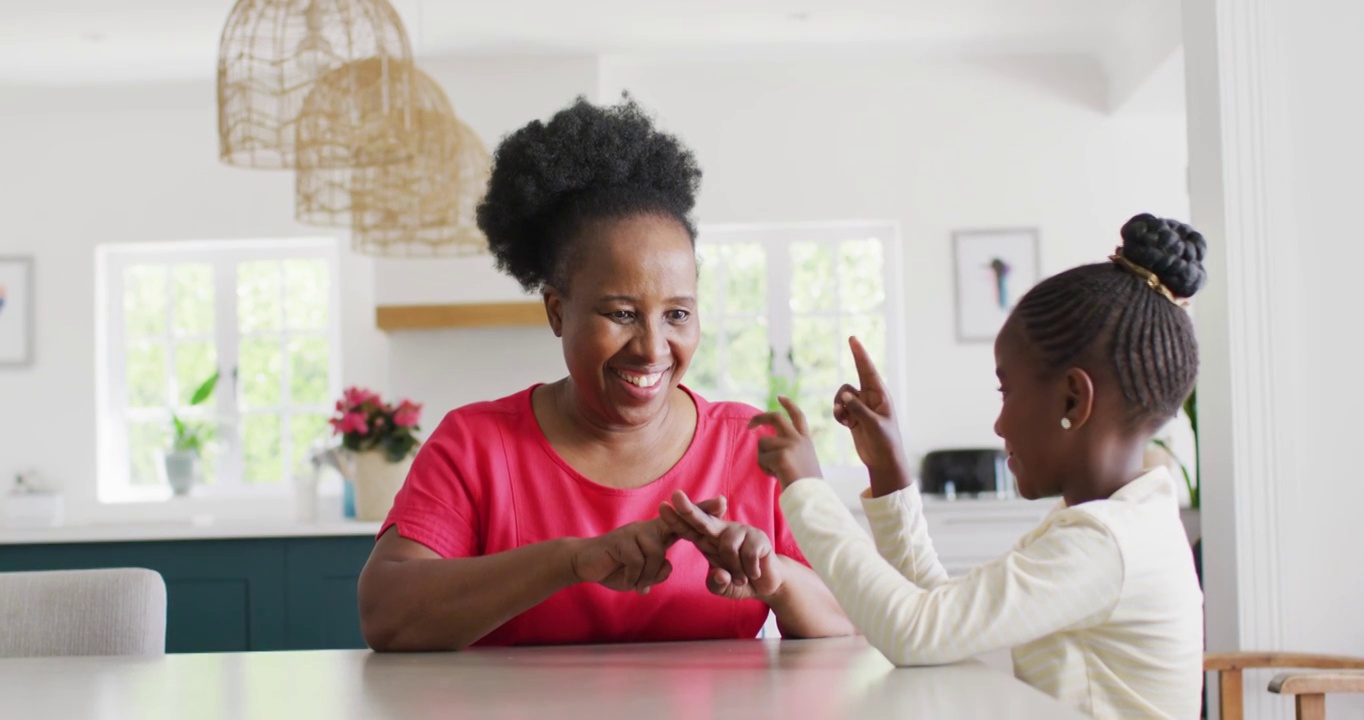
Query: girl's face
{"points": [[1030, 419]]}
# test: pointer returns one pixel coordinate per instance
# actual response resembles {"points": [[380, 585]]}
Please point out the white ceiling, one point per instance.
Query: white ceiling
{"points": [[95, 41]]}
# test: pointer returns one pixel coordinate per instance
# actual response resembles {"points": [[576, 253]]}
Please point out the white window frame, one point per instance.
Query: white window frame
{"points": [[776, 240], [113, 484]]}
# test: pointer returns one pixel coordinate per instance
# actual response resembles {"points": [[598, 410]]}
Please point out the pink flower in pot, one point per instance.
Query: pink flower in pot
{"points": [[352, 422], [355, 397], [408, 414]]}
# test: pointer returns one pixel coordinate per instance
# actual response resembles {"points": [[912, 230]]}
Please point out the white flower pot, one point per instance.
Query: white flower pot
{"points": [[377, 481], [182, 471]]}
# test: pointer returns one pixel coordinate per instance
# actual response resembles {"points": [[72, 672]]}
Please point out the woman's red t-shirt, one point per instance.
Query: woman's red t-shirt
{"points": [[488, 481]]}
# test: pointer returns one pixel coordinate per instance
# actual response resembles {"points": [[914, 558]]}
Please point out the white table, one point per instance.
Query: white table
{"points": [[825, 679]]}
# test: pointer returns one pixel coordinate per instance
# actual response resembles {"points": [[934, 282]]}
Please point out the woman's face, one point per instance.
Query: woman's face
{"points": [[628, 320]]}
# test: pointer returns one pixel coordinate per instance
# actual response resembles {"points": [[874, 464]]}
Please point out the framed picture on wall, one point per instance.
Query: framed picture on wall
{"points": [[994, 268], [16, 311]]}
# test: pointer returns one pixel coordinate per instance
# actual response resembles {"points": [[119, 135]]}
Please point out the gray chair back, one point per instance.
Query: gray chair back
{"points": [[82, 612]]}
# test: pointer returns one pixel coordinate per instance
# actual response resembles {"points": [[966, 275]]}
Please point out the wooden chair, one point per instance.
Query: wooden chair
{"points": [[1309, 689]]}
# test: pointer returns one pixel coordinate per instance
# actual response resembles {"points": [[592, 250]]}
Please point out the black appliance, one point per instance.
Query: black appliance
{"points": [[970, 472]]}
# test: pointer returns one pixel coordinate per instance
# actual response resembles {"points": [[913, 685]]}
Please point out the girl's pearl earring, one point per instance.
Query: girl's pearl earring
{"points": [[1065, 423]]}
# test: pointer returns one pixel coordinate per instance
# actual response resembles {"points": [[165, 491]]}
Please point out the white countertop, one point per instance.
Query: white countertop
{"points": [[186, 530], [943, 514], [726, 679]]}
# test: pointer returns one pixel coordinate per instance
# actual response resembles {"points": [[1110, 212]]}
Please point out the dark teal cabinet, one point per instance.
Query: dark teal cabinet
{"points": [[234, 595], [320, 575]]}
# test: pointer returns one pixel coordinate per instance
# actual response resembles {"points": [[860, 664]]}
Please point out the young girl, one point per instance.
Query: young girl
{"points": [[1100, 603]]}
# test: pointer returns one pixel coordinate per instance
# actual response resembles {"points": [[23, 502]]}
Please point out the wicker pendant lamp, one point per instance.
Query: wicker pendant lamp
{"points": [[328, 129], [420, 207], [362, 114], [273, 52], [426, 207]]}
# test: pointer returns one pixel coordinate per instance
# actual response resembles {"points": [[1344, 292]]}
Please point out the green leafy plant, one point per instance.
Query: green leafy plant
{"points": [[191, 436], [1190, 410]]}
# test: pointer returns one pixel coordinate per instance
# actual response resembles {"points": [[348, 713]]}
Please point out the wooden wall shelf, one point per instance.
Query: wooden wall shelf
{"points": [[529, 313]]}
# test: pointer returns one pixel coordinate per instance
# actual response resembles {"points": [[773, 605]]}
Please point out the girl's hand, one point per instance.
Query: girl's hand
{"points": [[868, 413], [790, 454]]}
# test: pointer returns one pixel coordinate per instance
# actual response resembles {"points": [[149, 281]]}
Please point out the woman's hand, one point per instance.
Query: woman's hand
{"points": [[742, 561], [744, 565], [790, 454], [631, 557], [868, 413]]}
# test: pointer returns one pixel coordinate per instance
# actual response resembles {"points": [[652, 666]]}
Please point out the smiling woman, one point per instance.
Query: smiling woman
{"points": [[535, 519]]}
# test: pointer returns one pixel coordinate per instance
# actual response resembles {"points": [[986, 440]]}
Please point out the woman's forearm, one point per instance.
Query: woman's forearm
{"points": [[440, 604], [804, 606]]}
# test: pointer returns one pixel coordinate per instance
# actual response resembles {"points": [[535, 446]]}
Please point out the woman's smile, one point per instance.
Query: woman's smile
{"points": [[641, 384]]}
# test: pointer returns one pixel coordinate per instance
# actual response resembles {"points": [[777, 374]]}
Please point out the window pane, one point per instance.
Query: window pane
{"points": [[147, 442], [260, 366], [145, 375], [830, 437], [193, 295], [754, 398], [708, 279], [194, 363], [749, 353], [703, 374], [144, 300], [305, 430], [308, 371], [746, 280], [862, 282], [261, 449], [258, 296], [815, 346], [211, 455], [812, 281], [305, 287], [871, 331]]}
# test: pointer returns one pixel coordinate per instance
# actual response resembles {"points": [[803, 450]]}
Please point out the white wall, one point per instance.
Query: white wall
{"points": [[1323, 576], [1273, 129], [449, 368], [934, 146], [84, 166], [937, 147]]}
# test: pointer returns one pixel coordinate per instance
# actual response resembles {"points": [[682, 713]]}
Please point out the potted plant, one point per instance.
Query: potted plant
{"points": [[184, 459], [379, 440], [1190, 515]]}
